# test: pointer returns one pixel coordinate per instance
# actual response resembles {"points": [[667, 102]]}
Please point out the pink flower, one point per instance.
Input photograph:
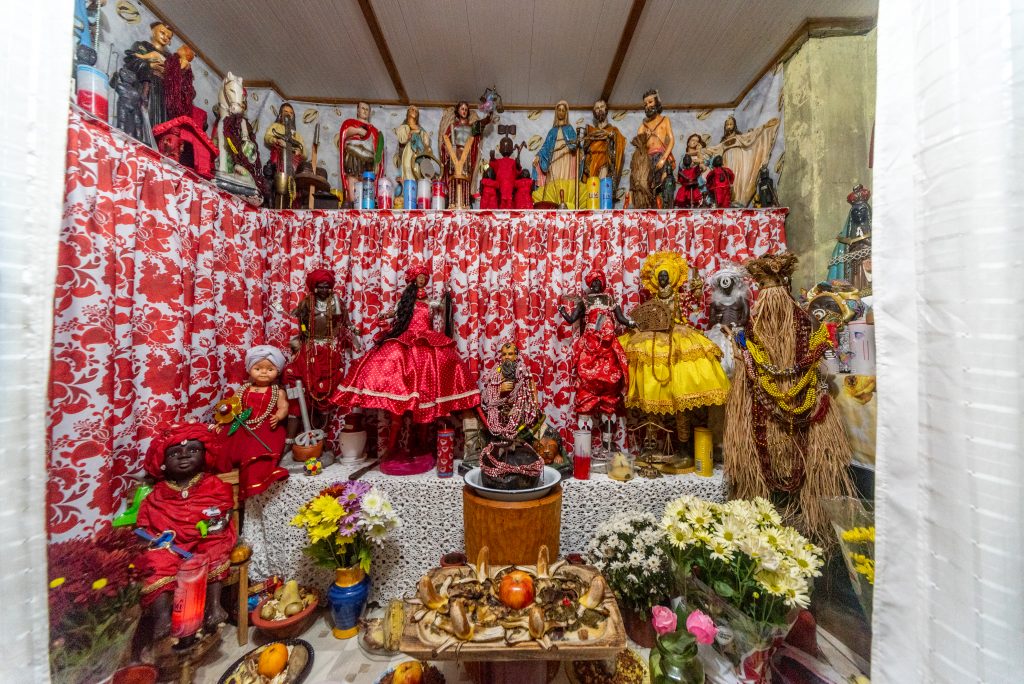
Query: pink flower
{"points": [[701, 627], [664, 620]]}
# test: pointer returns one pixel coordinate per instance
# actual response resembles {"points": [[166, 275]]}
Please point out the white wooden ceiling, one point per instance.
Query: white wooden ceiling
{"points": [[536, 52]]}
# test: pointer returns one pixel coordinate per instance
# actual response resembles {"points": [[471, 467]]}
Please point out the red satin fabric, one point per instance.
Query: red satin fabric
{"points": [[688, 195], [419, 371], [166, 509], [720, 185], [320, 366]]}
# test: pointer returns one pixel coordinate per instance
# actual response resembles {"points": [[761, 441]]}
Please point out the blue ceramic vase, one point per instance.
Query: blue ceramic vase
{"points": [[346, 597]]}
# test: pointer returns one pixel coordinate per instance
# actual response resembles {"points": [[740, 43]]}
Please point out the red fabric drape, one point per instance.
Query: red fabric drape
{"points": [[163, 283]]}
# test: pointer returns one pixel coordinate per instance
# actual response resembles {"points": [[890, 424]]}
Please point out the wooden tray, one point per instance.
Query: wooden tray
{"points": [[607, 647]]}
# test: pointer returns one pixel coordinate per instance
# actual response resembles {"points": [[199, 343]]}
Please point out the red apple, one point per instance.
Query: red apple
{"points": [[516, 590]]}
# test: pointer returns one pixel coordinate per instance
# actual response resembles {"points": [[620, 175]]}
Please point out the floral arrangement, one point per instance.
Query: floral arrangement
{"points": [[743, 552], [344, 522], [94, 604], [676, 649], [863, 565], [854, 525], [629, 550]]}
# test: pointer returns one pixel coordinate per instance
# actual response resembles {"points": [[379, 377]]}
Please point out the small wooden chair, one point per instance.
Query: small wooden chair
{"points": [[239, 571]]}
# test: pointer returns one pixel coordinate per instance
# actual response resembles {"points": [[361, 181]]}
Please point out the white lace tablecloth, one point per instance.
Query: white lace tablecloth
{"points": [[431, 512]]}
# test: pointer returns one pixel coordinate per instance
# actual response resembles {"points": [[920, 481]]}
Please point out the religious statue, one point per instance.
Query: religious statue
{"points": [[745, 154], [188, 511], [179, 86], [604, 148], [319, 361], [412, 368], [511, 409], [257, 442], [459, 145], [510, 396], [672, 366], [729, 309], [851, 258], [689, 195], [659, 142], [238, 158], [601, 368], [719, 182], [361, 148], [129, 104], [555, 166], [696, 150], [497, 187], [765, 195], [413, 144], [287, 151], [147, 58]]}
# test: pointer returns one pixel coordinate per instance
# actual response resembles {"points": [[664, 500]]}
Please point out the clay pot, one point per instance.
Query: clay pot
{"points": [[638, 627]]}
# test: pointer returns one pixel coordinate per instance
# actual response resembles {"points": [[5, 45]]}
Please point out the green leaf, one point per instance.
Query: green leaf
{"points": [[723, 589]]}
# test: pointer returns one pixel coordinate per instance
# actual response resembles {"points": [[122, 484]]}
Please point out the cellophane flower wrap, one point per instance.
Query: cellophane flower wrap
{"points": [[344, 522], [630, 551], [739, 564], [854, 524], [93, 596]]}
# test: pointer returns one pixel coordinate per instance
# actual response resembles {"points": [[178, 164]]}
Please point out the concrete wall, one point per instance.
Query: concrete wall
{"points": [[829, 109]]}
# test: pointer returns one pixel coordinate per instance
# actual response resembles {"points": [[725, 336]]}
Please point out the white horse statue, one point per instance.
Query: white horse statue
{"points": [[232, 176]]}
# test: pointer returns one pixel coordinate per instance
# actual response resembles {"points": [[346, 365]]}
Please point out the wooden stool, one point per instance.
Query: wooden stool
{"points": [[513, 531]]}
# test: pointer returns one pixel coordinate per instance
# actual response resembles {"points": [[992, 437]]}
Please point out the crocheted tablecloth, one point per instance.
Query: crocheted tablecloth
{"points": [[431, 513]]}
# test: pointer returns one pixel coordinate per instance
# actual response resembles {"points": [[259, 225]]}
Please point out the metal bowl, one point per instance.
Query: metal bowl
{"points": [[549, 478]]}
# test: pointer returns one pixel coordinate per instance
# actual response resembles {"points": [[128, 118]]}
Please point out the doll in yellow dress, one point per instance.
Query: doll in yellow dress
{"points": [[672, 366]]}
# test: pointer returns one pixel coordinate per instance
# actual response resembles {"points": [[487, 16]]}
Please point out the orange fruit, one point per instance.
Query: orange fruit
{"points": [[410, 672], [273, 660]]}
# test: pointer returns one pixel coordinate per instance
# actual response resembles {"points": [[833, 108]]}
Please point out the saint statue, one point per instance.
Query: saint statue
{"points": [[324, 334], [719, 182], [745, 154], [413, 143], [851, 258], [555, 166], [459, 144], [660, 142], [510, 396], [604, 148], [238, 155], [287, 151], [147, 58], [361, 148]]}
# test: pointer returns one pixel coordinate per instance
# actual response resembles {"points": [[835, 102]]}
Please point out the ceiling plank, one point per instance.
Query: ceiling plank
{"points": [[385, 52], [620, 52]]}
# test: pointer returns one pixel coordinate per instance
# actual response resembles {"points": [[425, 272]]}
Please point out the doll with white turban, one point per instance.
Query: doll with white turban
{"points": [[254, 437]]}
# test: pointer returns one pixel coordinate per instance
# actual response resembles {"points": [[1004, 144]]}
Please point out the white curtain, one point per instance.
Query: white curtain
{"points": [[948, 252], [35, 51]]}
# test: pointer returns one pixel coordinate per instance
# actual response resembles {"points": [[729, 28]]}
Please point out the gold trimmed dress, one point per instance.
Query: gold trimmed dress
{"points": [[673, 370]]}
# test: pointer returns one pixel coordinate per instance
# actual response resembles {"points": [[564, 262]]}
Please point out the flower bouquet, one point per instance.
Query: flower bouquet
{"points": [[344, 522], [738, 563], [855, 526], [629, 550], [674, 659], [94, 605]]}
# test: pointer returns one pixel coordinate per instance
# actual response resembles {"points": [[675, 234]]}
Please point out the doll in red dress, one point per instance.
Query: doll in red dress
{"points": [[599, 360], [413, 368], [256, 448], [195, 507]]}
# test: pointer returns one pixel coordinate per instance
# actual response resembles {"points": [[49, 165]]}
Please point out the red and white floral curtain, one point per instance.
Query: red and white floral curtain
{"points": [[164, 282]]}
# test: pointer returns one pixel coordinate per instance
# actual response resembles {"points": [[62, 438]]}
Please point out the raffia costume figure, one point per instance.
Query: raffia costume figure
{"points": [[783, 441], [672, 366]]}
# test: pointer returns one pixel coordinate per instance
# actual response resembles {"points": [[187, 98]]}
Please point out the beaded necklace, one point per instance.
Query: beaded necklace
{"points": [[785, 407], [271, 405]]}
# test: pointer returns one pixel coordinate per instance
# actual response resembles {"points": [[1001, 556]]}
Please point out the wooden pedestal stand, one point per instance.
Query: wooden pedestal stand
{"points": [[512, 531]]}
